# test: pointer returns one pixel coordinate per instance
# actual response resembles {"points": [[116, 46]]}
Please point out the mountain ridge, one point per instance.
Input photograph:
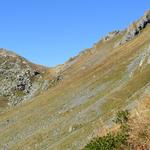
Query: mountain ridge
{"points": [[94, 86]]}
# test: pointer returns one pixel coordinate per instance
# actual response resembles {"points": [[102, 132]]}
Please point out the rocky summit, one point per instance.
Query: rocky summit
{"points": [[20, 80], [66, 107]]}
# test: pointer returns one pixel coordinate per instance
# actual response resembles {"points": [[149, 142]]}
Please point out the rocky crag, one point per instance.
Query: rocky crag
{"points": [[135, 28], [20, 79]]}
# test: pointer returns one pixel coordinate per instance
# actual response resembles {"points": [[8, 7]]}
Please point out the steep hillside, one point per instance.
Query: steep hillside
{"points": [[94, 86]]}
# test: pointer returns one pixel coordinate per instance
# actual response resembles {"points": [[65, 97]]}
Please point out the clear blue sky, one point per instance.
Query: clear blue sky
{"points": [[49, 32]]}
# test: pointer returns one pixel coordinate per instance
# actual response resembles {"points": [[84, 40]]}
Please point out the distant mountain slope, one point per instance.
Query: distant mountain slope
{"points": [[94, 86]]}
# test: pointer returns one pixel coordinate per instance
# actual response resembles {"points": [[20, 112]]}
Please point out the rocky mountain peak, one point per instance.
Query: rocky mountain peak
{"points": [[20, 80]]}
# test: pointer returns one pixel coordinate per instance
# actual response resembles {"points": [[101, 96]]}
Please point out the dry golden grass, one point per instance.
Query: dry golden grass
{"points": [[140, 126]]}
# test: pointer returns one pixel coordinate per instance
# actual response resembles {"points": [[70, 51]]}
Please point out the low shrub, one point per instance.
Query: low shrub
{"points": [[112, 140]]}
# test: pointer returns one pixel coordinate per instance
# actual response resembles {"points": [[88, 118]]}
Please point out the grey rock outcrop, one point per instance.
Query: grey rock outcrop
{"points": [[20, 80], [111, 35], [135, 28]]}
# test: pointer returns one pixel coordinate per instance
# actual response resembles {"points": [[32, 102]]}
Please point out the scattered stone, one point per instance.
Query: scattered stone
{"points": [[56, 80], [111, 35], [71, 129], [74, 127]]}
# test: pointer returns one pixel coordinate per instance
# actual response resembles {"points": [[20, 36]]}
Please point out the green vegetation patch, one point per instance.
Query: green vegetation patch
{"points": [[112, 141]]}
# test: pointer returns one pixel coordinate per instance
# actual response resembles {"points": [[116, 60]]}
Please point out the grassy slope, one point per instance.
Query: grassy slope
{"points": [[138, 133], [95, 88]]}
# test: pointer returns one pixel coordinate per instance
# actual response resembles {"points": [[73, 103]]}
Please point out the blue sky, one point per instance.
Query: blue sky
{"points": [[49, 32]]}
